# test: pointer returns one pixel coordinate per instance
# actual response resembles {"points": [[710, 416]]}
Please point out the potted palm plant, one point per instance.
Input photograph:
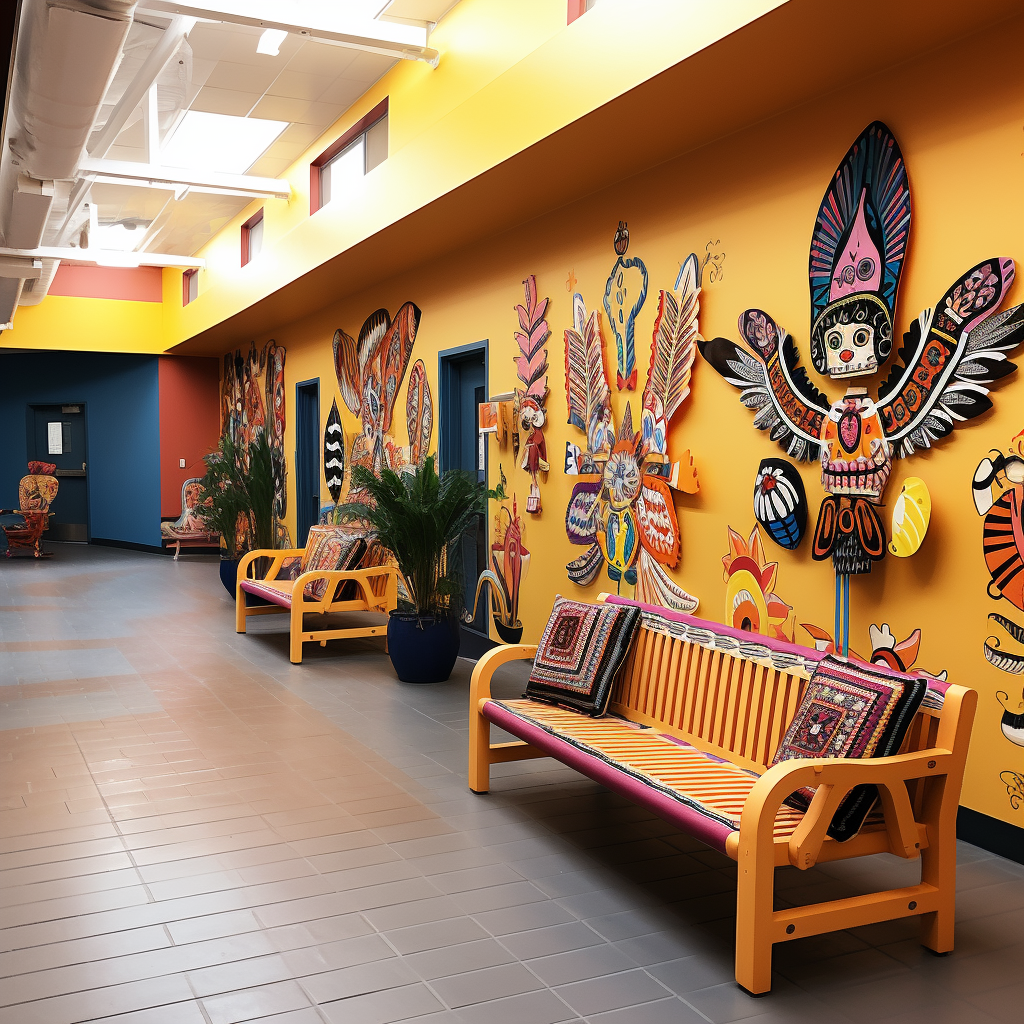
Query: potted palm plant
{"points": [[421, 518], [238, 500]]}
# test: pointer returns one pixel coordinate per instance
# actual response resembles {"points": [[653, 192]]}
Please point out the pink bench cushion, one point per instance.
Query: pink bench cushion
{"points": [[272, 591]]}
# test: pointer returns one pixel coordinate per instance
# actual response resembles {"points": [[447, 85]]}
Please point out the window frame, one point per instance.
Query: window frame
{"points": [[364, 124], [247, 255], [187, 276]]}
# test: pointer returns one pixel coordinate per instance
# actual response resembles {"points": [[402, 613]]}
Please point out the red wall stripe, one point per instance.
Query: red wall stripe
{"points": [[138, 284]]}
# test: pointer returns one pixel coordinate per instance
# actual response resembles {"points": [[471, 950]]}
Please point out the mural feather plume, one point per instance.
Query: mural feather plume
{"points": [[587, 392], [674, 343], [532, 363], [419, 413], [348, 369]]}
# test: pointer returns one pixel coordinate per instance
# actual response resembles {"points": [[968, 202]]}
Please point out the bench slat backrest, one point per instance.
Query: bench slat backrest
{"points": [[723, 703]]}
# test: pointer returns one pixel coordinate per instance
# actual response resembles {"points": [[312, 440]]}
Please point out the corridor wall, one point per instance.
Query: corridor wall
{"points": [[746, 206]]}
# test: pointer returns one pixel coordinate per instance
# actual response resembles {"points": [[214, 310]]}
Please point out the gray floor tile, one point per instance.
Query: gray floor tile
{"points": [[435, 935], [612, 992], [458, 959], [483, 985], [580, 964], [664, 1011], [383, 1007], [542, 1007], [557, 938]]}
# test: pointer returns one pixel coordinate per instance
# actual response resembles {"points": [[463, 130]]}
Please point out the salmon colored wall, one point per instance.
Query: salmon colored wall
{"points": [[189, 423], [138, 284], [753, 196]]}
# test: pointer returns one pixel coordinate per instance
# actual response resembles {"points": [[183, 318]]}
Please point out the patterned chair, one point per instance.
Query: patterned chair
{"points": [[35, 495], [189, 530]]}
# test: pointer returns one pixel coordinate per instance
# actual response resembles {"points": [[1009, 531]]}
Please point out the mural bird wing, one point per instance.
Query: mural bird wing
{"points": [[347, 370], [950, 356], [419, 413], [675, 334], [770, 380], [587, 393], [395, 352]]}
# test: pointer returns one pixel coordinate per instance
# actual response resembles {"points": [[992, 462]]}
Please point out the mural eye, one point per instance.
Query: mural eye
{"points": [[861, 336], [865, 268], [834, 339], [847, 275]]}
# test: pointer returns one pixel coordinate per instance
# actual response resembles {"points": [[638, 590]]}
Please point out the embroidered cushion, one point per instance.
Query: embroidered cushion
{"points": [[330, 549], [581, 650], [850, 710]]}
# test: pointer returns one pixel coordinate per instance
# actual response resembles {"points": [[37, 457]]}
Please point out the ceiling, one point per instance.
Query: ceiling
{"points": [[218, 70]]}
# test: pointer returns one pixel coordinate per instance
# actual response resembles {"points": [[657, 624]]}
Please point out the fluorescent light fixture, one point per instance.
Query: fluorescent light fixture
{"points": [[219, 142], [270, 42], [112, 258], [124, 236]]}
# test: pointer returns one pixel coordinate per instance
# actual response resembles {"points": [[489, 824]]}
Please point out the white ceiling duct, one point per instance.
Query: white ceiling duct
{"points": [[67, 53], [34, 290], [10, 292], [30, 208]]}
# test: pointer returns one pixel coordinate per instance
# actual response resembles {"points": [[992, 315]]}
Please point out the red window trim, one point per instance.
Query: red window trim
{"points": [[366, 121], [246, 228], [186, 278], [577, 8]]}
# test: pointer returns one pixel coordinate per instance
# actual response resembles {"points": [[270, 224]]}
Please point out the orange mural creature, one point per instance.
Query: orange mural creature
{"points": [[623, 510], [750, 599], [951, 354]]}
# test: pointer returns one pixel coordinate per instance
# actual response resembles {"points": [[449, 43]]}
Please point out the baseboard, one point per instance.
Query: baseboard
{"points": [[155, 549], [990, 834]]}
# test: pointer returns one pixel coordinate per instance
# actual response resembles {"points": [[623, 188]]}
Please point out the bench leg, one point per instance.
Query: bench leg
{"points": [[754, 906], [479, 752], [239, 609], [177, 550], [938, 868], [295, 631]]}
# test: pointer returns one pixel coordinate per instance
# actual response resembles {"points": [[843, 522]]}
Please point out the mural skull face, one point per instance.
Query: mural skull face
{"points": [[850, 349], [855, 455]]}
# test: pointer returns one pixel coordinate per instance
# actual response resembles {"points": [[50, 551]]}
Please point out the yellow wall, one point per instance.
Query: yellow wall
{"points": [[66, 322], [755, 196]]}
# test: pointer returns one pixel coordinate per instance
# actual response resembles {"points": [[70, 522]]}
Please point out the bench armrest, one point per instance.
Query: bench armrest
{"points": [[362, 577], [277, 556], [832, 779], [480, 683]]}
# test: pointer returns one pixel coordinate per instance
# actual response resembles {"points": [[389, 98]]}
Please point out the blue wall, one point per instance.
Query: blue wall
{"points": [[121, 396]]}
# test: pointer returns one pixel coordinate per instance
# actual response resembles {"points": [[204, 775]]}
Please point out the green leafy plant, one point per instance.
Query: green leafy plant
{"points": [[421, 518], [238, 495]]}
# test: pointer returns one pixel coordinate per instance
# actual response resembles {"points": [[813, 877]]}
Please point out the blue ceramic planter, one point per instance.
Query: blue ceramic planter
{"points": [[423, 650], [229, 576]]}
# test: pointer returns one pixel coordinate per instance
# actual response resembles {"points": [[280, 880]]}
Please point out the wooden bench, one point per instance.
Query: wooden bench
{"points": [[376, 589], [696, 715], [189, 530]]}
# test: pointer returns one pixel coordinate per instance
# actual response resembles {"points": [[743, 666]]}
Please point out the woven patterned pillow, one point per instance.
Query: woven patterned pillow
{"points": [[580, 652], [330, 548], [850, 710]]}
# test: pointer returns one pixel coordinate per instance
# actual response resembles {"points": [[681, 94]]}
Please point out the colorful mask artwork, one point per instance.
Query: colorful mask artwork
{"points": [[780, 504], [751, 603], [419, 413], [510, 561], [370, 371], [624, 297], [249, 407], [950, 355], [532, 370], [334, 453], [624, 511]]}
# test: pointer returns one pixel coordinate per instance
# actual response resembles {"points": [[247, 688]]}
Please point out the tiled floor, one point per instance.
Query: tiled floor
{"points": [[195, 830]]}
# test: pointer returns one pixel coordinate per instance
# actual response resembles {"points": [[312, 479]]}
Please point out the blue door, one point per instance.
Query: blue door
{"points": [[463, 376], [307, 458], [57, 435]]}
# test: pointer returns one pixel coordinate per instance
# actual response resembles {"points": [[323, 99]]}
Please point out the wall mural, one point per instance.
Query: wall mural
{"points": [[998, 488], [510, 561], [250, 406], [532, 371], [780, 502], [624, 297], [899, 655], [334, 453], [750, 599], [370, 371], [419, 413], [624, 512], [950, 355]]}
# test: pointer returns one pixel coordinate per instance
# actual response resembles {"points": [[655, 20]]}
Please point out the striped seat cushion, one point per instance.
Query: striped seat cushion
{"points": [[698, 792], [275, 591]]}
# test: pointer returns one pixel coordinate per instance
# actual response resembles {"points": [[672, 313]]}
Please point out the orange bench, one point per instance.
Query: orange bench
{"points": [[696, 715], [376, 590]]}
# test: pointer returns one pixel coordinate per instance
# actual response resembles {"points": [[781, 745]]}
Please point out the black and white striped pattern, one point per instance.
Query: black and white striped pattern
{"points": [[334, 453]]}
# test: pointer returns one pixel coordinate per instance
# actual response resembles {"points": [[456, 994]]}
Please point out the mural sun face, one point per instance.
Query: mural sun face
{"points": [[622, 478]]}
